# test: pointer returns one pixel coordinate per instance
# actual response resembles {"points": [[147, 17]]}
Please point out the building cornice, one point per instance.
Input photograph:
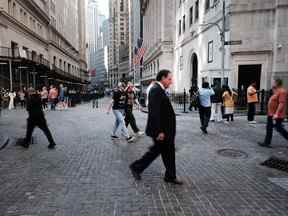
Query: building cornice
{"points": [[52, 43], [63, 38], [36, 9], [235, 10], [252, 52], [21, 27]]}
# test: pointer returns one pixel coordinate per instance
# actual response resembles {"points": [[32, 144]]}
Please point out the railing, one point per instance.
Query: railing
{"points": [[9, 53], [182, 101], [5, 52]]}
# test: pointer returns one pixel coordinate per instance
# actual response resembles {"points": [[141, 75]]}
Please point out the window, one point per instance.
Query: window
{"points": [[9, 7], [34, 24], [179, 27], [21, 14], [184, 26], [14, 10], [60, 63], [181, 63], [196, 10], [122, 5], [207, 5], [191, 16], [25, 18], [210, 51]]}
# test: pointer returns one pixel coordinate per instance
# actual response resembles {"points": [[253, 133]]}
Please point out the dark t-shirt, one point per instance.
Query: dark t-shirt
{"points": [[119, 99], [34, 107]]}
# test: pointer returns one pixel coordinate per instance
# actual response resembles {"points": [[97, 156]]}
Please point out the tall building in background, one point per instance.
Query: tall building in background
{"points": [[158, 36], [92, 31], [119, 41], [98, 29], [42, 42], [135, 25]]}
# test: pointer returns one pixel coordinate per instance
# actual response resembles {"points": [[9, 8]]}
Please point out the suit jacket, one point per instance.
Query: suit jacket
{"points": [[161, 115]]}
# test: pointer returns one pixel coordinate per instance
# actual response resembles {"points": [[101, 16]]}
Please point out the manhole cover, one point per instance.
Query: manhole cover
{"points": [[232, 153]]}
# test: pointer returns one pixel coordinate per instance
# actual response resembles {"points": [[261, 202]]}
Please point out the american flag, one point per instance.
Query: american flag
{"points": [[139, 52], [93, 72]]}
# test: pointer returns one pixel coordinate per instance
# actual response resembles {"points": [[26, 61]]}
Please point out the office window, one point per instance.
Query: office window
{"points": [[191, 16], [184, 26], [180, 26], [196, 10]]}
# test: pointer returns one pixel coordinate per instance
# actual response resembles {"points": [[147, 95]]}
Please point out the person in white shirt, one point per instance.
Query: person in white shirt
{"points": [[205, 94], [12, 96], [148, 90]]}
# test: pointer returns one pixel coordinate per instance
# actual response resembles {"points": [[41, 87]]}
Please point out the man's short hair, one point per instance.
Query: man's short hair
{"points": [[279, 82], [205, 85], [161, 74]]}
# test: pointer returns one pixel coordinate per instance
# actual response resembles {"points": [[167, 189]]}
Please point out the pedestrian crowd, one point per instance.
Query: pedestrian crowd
{"points": [[52, 98]]}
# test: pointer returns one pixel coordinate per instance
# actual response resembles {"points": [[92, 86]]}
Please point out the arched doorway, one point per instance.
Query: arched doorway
{"points": [[194, 67]]}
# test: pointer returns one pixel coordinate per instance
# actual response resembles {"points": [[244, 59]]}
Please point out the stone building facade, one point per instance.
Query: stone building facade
{"points": [[118, 41], [158, 37], [259, 24], [42, 42]]}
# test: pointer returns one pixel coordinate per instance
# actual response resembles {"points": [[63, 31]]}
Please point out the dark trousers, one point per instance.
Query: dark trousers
{"points": [[167, 150], [205, 114], [279, 127], [22, 102], [251, 111], [230, 116], [44, 103], [130, 119], [42, 124]]}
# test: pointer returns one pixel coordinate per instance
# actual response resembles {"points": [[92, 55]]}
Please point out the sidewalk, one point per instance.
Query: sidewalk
{"points": [[87, 174]]}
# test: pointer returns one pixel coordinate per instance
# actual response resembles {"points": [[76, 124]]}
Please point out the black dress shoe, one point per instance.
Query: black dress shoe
{"points": [[173, 181], [263, 144], [135, 174], [52, 146], [24, 145], [204, 130]]}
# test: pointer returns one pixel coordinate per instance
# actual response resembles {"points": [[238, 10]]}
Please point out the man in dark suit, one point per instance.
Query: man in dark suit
{"points": [[161, 127], [36, 118]]}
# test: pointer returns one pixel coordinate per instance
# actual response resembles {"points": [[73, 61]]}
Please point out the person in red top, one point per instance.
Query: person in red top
{"points": [[276, 111]]}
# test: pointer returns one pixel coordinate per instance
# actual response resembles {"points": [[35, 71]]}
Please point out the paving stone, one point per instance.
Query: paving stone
{"points": [[87, 174]]}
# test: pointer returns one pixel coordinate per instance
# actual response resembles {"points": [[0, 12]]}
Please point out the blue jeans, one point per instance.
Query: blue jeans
{"points": [[120, 123]]}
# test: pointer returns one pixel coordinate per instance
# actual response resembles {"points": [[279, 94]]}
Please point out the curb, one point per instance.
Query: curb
{"points": [[4, 143]]}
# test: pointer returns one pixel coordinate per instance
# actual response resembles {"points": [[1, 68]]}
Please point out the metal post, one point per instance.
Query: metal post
{"points": [[184, 101], [223, 44], [20, 75], [11, 75]]}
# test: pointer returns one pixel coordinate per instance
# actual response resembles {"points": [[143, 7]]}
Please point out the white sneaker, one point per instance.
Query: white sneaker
{"points": [[252, 122], [130, 139], [140, 133]]}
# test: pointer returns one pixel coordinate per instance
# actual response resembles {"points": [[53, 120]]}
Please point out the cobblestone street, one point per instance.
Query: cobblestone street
{"points": [[87, 174]]}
